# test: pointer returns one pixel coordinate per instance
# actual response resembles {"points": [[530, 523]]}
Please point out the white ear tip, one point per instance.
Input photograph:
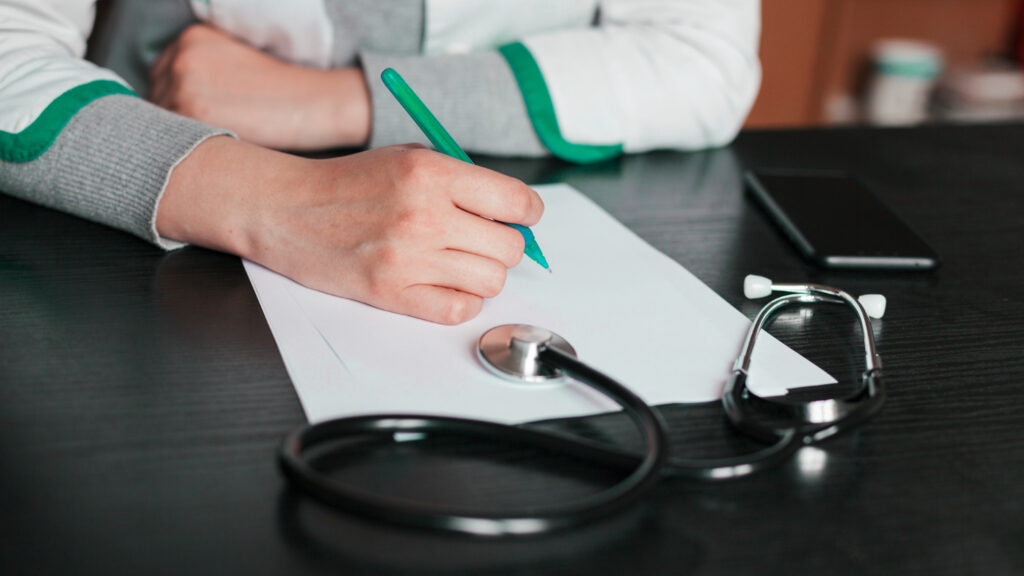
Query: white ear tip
{"points": [[874, 304], [755, 286]]}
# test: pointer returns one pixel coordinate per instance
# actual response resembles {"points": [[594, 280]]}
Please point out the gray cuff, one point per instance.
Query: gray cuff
{"points": [[474, 95], [395, 26], [110, 164]]}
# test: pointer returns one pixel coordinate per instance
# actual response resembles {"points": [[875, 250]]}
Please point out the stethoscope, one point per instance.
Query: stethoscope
{"points": [[526, 353]]}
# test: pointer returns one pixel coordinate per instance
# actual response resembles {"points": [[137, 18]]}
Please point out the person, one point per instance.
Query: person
{"points": [[399, 227]]}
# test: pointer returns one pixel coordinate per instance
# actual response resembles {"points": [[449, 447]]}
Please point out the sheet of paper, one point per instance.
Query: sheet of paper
{"points": [[629, 310]]}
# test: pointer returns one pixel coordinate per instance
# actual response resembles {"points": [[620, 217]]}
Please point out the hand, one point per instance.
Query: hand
{"points": [[401, 228], [209, 75]]}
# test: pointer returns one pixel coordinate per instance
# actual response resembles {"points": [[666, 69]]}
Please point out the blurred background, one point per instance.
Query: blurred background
{"points": [[890, 62]]}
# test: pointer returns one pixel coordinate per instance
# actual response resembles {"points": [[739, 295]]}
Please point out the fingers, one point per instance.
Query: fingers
{"points": [[464, 272], [159, 75], [493, 240], [472, 188], [438, 304], [407, 230], [475, 189], [461, 206], [163, 62], [498, 197], [444, 286]]}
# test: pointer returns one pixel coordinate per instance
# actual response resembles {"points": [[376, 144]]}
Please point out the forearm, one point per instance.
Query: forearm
{"points": [[208, 75]]}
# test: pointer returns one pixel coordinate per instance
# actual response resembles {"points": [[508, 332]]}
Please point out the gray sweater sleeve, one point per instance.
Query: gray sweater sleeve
{"points": [[394, 25], [474, 95], [110, 164]]}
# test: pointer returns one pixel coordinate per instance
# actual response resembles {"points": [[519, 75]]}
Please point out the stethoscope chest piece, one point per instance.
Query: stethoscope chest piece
{"points": [[512, 351]]}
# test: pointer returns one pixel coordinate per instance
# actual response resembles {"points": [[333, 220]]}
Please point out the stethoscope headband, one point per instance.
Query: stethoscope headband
{"points": [[815, 420]]}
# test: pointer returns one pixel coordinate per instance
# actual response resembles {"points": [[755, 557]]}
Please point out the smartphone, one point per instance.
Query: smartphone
{"points": [[838, 223]]}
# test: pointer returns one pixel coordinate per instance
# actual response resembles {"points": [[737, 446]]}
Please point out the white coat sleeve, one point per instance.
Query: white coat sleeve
{"points": [[41, 47], [73, 136], [650, 74]]}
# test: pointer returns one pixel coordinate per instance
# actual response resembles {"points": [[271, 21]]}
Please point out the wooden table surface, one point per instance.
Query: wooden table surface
{"points": [[142, 397]]}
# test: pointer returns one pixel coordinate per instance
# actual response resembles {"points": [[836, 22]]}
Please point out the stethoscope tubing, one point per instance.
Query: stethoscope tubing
{"points": [[645, 470], [807, 423]]}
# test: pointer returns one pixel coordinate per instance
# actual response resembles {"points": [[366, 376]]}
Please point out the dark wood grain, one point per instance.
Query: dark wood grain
{"points": [[142, 396]]}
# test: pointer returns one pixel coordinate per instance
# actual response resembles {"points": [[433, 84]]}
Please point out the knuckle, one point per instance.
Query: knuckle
{"points": [[382, 276], [193, 33], [413, 221], [179, 104], [186, 104], [514, 252], [460, 308], [510, 249], [182, 63], [416, 166], [494, 281], [520, 206], [388, 257], [376, 284]]}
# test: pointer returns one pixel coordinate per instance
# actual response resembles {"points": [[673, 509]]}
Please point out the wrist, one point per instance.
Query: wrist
{"points": [[220, 195], [350, 99], [332, 110]]}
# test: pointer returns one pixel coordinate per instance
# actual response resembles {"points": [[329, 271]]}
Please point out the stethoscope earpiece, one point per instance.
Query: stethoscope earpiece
{"points": [[874, 304], [755, 287]]}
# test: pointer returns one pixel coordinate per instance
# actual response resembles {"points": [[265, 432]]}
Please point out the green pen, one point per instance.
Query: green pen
{"points": [[445, 144]]}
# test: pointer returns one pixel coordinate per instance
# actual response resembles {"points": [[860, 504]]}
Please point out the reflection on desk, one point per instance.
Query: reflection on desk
{"points": [[142, 397]]}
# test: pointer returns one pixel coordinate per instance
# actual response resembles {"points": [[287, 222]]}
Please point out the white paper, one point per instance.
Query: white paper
{"points": [[628, 310]]}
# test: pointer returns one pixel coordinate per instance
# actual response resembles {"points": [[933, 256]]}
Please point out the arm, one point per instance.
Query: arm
{"points": [[664, 74], [209, 75], [677, 74], [282, 75], [401, 228], [74, 136]]}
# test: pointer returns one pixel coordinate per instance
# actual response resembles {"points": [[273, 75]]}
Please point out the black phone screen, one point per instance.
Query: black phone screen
{"points": [[835, 221]]}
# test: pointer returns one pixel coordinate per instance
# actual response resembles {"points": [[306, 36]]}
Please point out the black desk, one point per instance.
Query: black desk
{"points": [[142, 396]]}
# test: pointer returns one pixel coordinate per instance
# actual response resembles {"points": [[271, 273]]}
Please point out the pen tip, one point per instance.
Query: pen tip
{"points": [[550, 271]]}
